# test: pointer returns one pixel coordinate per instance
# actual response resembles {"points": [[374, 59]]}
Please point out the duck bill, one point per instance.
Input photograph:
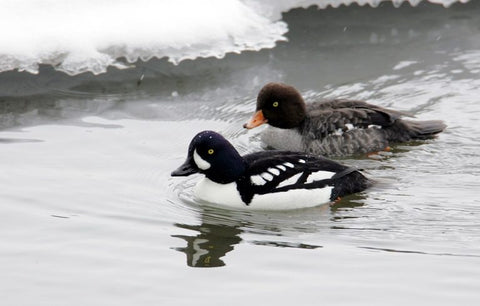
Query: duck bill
{"points": [[185, 169], [256, 120]]}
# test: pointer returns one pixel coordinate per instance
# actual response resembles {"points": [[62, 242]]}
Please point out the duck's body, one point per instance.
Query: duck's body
{"points": [[271, 180], [334, 127]]}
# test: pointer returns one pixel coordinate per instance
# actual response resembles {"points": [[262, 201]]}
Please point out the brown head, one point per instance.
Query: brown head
{"points": [[280, 105]]}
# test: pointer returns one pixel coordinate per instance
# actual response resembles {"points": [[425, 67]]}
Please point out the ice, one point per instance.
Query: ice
{"points": [[91, 35]]}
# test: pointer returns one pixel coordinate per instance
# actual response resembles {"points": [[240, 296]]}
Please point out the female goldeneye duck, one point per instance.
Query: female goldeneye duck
{"points": [[270, 180], [334, 127]]}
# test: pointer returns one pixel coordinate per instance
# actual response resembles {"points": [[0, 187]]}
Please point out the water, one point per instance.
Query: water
{"points": [[90, 214]]}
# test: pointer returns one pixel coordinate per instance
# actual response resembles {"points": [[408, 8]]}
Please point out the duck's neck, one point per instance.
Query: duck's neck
{"points": [[305, 125], [301, 125], [297, 116]]}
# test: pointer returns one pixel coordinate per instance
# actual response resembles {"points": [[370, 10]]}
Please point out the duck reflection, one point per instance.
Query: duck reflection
{"points": [[348, 202], [219, 230], [212, 241], [210, 244]]}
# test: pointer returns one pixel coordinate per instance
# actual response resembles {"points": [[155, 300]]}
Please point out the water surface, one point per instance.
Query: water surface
{"points": [[90, 214]]}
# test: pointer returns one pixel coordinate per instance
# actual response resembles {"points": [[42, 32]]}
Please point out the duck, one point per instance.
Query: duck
{"points": [[334, 128], [265, 180]]}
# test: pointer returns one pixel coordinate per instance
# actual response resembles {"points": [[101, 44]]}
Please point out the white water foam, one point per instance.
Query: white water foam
{"points": [[91, 35]]}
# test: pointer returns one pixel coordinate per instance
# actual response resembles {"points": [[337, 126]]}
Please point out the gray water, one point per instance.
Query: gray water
{"points": [[90, 216]]}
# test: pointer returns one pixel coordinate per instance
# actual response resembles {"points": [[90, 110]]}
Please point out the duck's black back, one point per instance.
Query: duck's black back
{"points": [[300, 166]]}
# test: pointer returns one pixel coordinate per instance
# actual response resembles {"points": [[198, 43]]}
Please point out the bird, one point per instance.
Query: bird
{"points": [[334, 128], [265, 180]]}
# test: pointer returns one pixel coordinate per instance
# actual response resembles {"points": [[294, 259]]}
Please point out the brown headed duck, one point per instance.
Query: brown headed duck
{"points": [[336, 127]]}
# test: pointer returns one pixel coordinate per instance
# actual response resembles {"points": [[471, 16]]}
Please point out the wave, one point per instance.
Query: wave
{"points": [[93, 35]]}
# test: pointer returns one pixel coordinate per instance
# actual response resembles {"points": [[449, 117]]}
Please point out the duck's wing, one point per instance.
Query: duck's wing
{"points": [[332, 116], [276, 171], [295, 161]]}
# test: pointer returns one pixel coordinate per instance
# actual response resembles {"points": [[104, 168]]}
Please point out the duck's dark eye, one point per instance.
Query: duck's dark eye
{"points": [[210, 151], [275, 104]]}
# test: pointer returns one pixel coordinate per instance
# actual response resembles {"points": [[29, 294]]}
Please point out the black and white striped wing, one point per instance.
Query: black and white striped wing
{"points": [[276, 171]]}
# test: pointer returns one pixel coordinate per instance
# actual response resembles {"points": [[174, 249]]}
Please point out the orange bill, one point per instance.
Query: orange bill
{"points": [[257, 120]]}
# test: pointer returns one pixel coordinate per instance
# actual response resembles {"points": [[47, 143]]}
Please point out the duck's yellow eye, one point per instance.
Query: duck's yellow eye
{"points": [[210, 151], [275, 104]]}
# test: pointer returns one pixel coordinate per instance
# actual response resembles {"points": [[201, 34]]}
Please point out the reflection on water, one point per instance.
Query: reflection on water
{"points": [[348, 202], [284, 244], [221, 229], [209, 244], [419, 252], [18, 140]]}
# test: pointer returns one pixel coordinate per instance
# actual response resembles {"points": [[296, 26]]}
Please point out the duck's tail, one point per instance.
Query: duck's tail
{"points": [[405, 130], [424, 129]]}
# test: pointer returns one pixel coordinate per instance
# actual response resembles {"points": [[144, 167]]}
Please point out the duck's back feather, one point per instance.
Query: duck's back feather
{"points": [[283, 171], [332, 116]]}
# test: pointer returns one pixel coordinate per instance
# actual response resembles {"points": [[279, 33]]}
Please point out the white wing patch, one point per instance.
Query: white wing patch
{"points": [[257, 180], [350, 126], [302, 161], [374, 126], [338, 132], [318, 176], [290, 165], [290, 181], [201, 163], [266, 176], [274, 171]]}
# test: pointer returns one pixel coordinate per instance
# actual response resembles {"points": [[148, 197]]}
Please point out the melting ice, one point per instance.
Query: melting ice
{"points": [[91, 35]]}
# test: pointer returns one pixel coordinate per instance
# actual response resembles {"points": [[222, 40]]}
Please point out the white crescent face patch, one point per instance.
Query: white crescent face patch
{"points": [[200, 162]]}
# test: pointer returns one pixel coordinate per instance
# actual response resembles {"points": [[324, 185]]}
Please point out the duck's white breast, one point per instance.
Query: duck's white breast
{"points": [[223, 194], [228, 195]]}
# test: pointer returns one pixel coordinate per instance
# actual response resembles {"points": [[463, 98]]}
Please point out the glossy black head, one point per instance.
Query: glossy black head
{"points": [[281, 105], [211, 154]]}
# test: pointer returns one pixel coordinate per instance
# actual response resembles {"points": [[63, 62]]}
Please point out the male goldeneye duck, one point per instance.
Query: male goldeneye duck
{"points": [[333, 127], [270, 180]]}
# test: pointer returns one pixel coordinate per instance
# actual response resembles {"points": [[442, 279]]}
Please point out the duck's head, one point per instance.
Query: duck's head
{"points": [[280, 105], [211, 154]]}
